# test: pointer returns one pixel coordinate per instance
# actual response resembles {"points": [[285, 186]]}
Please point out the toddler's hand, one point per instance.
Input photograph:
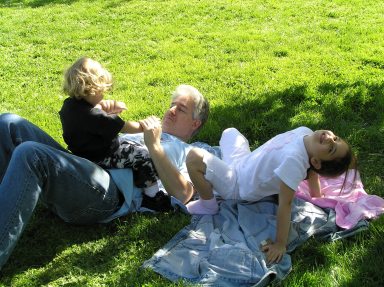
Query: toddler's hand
{"points": [[120, 107], [112, 106]]}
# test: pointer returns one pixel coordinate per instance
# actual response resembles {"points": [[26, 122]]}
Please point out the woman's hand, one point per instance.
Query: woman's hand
{"points": [[274, 252]]}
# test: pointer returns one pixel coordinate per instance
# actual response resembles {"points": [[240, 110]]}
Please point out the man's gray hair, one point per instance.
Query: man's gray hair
{"points": [[201, 110]]}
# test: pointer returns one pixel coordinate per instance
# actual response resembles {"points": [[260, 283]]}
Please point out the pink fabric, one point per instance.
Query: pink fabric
{"points": [[352, 205]]}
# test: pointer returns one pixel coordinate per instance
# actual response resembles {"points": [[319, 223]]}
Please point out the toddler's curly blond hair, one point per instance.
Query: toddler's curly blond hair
{"points": [[86, 77]]}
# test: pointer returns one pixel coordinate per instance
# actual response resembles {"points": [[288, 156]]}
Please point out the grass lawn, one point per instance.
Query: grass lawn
{"points": [[266, 67]]}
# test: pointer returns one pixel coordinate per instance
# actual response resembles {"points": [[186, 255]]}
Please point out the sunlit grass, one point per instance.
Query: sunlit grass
{"points": [[266, 67]]}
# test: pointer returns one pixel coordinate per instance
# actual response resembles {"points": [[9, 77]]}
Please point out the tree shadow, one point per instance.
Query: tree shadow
{"points": [[369, 267], [353, 109], [40, 3], [53, 248], [33, 3], [258, 117], [46, 236]]}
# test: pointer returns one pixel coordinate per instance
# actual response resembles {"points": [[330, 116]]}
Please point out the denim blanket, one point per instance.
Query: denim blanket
{"points": [[224, 249]]}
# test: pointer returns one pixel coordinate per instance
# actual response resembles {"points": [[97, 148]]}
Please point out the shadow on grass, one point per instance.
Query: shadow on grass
{"points": [[53, 249], [369, 268], [119, 248], [47, 236], [33, 3], [258, 117], [40, 3], [353, 110]]}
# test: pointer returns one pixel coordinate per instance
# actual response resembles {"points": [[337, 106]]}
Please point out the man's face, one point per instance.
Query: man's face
{"points": [[178, 119]]}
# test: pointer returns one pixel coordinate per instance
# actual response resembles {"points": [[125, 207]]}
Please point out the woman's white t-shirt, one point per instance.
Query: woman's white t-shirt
{"points": [[282, 158]]}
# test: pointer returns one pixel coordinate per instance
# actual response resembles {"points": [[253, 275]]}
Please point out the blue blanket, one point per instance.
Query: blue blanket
{"points": [[224, 249]]}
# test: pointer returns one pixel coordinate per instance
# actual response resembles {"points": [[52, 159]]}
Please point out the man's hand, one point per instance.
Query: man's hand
{"points": [[173, 181], [152, 131], [275, 252], [112, 106]]}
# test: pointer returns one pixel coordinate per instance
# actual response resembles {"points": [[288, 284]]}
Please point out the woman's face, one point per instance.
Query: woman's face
{"points": [[326, 146]]}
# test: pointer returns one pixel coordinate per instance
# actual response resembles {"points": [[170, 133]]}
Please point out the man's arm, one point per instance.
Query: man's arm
{"points": [[174, 182]]}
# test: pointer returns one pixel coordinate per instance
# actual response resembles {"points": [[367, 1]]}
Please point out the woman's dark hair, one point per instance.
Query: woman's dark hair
{"points": [[336, 167]]}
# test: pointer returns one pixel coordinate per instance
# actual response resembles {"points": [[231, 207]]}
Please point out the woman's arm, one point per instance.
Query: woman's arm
{"points": [[314, 184], [276, 250]]}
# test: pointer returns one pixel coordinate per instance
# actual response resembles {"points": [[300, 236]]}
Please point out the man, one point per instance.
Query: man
{"points": [[35, 167]]}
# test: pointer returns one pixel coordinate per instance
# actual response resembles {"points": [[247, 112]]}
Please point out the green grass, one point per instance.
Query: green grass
{"points": [[266, 67]]}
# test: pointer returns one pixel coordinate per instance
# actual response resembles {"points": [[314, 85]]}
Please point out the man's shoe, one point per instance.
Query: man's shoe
{"points": [[160, 202]]}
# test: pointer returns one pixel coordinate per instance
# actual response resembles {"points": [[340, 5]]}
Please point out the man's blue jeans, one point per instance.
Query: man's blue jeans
{"points": [[35, 167]]}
